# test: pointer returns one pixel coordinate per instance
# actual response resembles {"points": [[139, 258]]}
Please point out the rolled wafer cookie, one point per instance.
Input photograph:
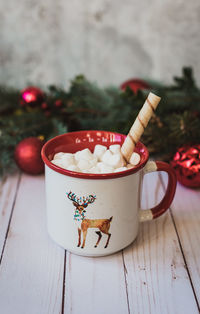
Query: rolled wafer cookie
{"points": [[139, 125]]}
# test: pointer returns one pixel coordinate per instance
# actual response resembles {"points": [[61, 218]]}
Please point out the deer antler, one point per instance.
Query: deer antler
{"points": [[89, 200], [73, 197], [82, 200]]}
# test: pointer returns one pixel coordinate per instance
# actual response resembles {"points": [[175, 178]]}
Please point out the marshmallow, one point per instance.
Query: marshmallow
{"points": [[107, 157], [104, 168], [57, 162], [115, 149], [83, 154], [63, 160], [120, 169], [67, 159], [99, 150], [114, 161], [94, 170], [101, 161], [135, 159], [73, 168], [99, 165], [58, 155], [93, 162], [107, 169], [84, 164]]}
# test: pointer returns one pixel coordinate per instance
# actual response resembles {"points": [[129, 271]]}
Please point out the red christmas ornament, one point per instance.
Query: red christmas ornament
{"points": [[186, 163], [58, 103], [135, 85], [31, 96], [44, 106], [28, 155]]}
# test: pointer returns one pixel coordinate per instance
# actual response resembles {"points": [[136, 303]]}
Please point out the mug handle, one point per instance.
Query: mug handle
{"points": [[159, 209]]}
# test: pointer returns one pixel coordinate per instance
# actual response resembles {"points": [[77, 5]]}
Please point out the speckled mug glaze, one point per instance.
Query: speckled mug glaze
{"points": [[98, 214]]}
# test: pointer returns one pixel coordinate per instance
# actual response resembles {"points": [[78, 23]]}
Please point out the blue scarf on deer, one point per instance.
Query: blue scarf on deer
{"points": [[78, 216]]}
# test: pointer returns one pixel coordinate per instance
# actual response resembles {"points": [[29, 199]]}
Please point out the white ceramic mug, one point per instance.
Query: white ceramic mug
{"points": [[97, 214]]}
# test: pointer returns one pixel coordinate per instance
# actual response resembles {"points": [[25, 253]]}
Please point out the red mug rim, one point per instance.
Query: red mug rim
{"points": [[88, 139]]}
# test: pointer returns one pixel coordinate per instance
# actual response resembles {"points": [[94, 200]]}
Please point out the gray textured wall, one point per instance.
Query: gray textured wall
{"points": [[109, 41]]}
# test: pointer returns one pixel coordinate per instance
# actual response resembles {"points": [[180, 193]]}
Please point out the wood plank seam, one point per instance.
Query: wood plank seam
{"points": [[10, 218], [126, 283], [180, 246], [186, 266], [64, 278]]}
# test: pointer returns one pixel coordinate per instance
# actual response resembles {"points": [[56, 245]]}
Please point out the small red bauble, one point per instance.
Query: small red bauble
{"points": [[31, 96], [186, 163], [58, 103], [44, 106], [135, 85], [28, 155]]}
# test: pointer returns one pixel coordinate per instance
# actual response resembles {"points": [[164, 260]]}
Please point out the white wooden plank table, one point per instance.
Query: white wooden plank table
{"points": [[158, 273]]}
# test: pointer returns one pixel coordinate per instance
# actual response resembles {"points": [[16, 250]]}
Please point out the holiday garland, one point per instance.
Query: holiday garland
{"points": [[86, 106]]}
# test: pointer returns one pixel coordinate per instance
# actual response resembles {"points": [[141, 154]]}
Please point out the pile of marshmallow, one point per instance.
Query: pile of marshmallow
{"points": [[102, 160]]}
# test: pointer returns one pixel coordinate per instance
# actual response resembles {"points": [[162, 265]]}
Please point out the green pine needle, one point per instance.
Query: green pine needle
{"points": [[86, 106]]}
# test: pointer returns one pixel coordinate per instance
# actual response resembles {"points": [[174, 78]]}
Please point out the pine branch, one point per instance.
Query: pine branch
{"points": [[86, 106]]}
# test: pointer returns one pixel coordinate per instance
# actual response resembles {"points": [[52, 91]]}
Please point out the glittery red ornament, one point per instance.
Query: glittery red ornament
{"points": [[186, 163], [28, 155], [31, 96], [135, 85]]}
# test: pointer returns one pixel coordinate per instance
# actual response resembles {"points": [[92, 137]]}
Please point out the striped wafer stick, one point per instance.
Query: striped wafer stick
{"points": [[139, 125]]}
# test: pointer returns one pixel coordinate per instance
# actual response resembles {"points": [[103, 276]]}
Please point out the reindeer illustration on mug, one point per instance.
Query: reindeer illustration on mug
{"points": [[84, 224]]}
